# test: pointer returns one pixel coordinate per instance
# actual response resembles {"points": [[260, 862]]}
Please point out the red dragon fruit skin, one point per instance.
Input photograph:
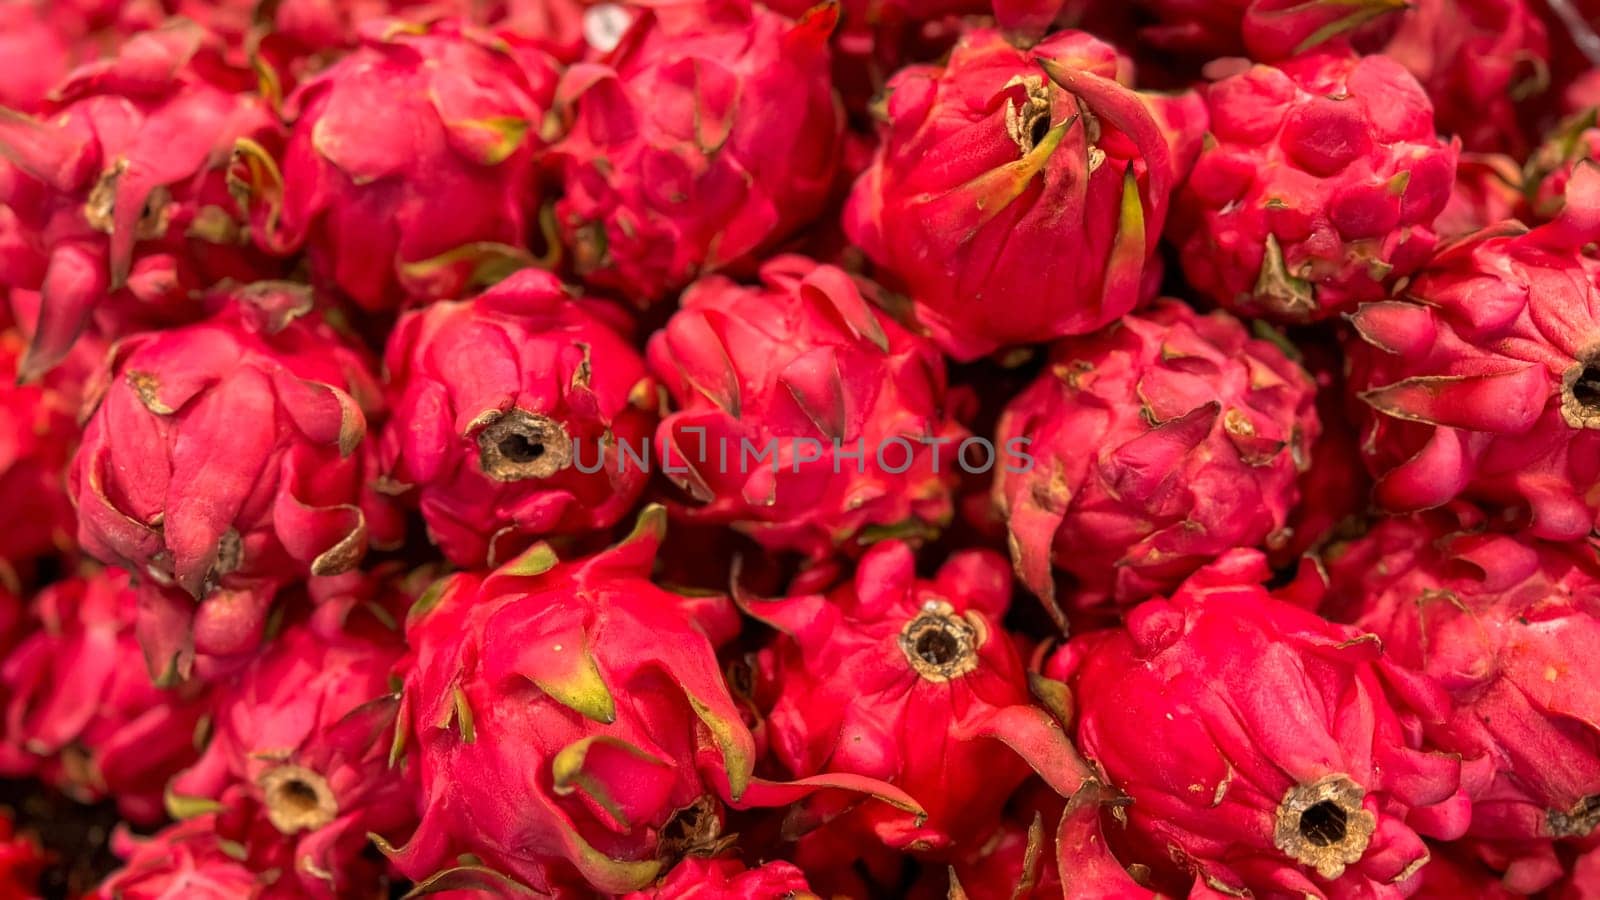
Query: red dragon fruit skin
{"points": [[572, 729], [227, 854], [1476, 381], [914, 682], [999, 185], [119, 190], [1548, 172], [305, 734], [708, 134], [1265, 30], [1497, 619], [222, 459], [80, 710], [505, 407], [790, 369], [1263, 749], [38, 432], [22, 862], [1317, 189], [728, 879], [1477, 59], [1155, 445], [388, 213]]}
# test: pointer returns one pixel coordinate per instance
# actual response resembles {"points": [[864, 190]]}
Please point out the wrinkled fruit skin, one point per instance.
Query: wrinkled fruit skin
{"points": [[707, 135], [1184, 710], [1001, 186], [728, 879], [222, 459], [1474, 382], [1317, 189], [789, 369], [505, 408], [80, 711], [1495, 618], [917, 683], [304, 733], [1156, 445], [411, 169], [571, 726], [114, 204]]}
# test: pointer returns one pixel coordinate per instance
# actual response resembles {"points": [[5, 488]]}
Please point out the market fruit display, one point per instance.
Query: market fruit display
{"points": [[776, 449]]}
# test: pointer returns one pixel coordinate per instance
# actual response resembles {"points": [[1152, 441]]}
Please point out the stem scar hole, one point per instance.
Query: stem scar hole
{"points": [[941, 645], [1323, 824], [516, 445], [298, 799]]}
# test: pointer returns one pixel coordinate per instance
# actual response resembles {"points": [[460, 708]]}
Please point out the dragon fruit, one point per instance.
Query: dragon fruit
{"points": [[226, 458], [222, 855], [1495, 619], [1317, 189], [707, 135], [22, 861], [1184, 709], [1151, 448], [305, 734], [1477, 59], [998, 188], [1549, 170], [411, 171], [1488, 189], [727, 879], [513, 417], [39, 424], [806, 417], [1479, 381], [917, 683], [1265, 30], [80, 711], [119, 192], [571, 727]]}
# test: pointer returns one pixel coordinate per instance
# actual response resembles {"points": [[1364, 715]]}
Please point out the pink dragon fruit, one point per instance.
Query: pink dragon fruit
{"points": [[513, 416], [304, 733], [1265, 30], [39, 424], [998, 188], [1317, 189], [22, 861], [1574, 141], [728, 879], [1477, 59], [411, 169], [572, 729], [1151, 448], [226, 458], [1488, 189], [80, 710], [806, 417], [1479, 381], [917, 683], [1185, 711], [118, 195], [1495, 619], [222, 855], [707, 135]]}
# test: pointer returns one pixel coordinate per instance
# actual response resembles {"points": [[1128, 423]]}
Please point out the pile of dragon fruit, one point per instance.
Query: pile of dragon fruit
{"points": [[755, 449]]}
